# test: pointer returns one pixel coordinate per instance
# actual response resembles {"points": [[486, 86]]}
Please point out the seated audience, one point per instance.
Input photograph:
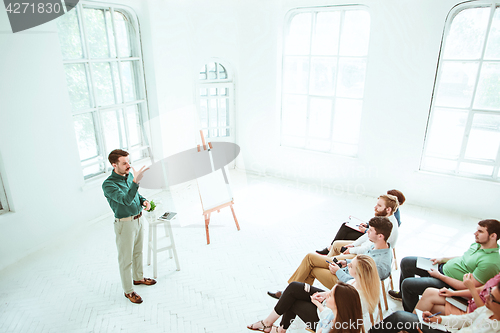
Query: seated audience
{"points": [[481, 259], [304, 300], [483, 320], [386, 205], [434, 300], [316, 266]]}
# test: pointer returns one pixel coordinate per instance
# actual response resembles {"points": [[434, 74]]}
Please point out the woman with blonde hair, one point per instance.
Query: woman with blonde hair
{"points": [[301, 299]]}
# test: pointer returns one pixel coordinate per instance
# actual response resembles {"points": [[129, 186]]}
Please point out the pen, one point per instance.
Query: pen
{"points": [[434, 314]]}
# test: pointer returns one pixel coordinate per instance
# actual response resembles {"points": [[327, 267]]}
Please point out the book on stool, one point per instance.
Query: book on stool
{"points": [[167, 216]]}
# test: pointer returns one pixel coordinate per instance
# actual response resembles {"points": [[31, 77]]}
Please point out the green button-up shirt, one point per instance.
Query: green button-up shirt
{"points": [[482, 263], [122, 195]]}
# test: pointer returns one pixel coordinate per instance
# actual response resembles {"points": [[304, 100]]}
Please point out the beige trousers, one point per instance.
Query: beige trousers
{"points": [[335, 250], [129, 242], [314, 266]]}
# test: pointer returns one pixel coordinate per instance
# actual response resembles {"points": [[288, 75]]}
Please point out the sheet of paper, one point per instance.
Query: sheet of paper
{"points": [[352, 225], [425, 264], [432, 325]]}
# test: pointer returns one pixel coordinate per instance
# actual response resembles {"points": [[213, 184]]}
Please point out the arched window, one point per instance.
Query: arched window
{"points": [[102, 59], [463, 130], [324, 65], [216, 101]]}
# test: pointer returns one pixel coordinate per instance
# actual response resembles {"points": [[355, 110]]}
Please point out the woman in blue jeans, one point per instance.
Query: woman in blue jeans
{"points": [[486, 319]]}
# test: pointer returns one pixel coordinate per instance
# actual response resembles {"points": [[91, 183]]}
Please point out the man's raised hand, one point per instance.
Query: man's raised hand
{"points": [[138, 174]]}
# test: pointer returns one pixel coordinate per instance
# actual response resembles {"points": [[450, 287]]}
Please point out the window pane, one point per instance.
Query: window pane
{"points": [[351, 81], [78, 86], [355, 33], [204, 113], [484, 137], [85, 135], [347, 120], [203, 92], [212, 113], [456, 84], [446, 133], [212, 71], [294, 116], [493, 45], [293, 141], [222, 72], [320, 118], [299, 35], [319, 145], [129, 82], [295, 75], [432, 163], [326, 34], [488, 88], [103, 82], [114, 133], [466, 36], [97, 37], [323, 72], [111, 37], [477, 169], [69, 35], [223, 112], [134, 125], [92, 170], [122, 34]]}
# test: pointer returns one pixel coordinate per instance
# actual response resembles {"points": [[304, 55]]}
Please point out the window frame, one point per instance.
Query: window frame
{"points": [[227, 83], [137, 71], [471, 111], [331, 141]]}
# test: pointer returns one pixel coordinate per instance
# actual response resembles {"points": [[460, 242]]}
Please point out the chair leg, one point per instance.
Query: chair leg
{"points": [[395, 260], [150, 236], [371, 319], [392, 285], [385, 295], [381, 315]]}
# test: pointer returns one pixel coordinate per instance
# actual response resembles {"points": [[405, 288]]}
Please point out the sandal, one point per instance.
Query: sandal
{"points": [[261, 329]]}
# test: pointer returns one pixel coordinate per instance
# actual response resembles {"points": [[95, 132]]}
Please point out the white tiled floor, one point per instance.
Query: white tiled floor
{"points": [[74, 286]]}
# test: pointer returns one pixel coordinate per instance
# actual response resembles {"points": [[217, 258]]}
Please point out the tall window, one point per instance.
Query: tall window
{"points": [[215, 92], [463, 132], [4, 206], [105, 80], [324, 65]]}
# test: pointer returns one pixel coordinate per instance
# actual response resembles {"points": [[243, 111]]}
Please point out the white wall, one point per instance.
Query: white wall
{"points": [[404, 48], [39, 160]]}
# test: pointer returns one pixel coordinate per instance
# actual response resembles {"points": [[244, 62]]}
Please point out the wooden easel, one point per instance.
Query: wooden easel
{"points": [[207, 212]]}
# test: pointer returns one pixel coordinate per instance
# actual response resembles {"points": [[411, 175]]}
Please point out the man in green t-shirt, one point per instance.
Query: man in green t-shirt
{"points": [[121, 190], [481, 259]]}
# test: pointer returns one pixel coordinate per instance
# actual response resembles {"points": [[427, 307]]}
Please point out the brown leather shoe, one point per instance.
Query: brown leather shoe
{"points": [[147, 281], [134, 298]]}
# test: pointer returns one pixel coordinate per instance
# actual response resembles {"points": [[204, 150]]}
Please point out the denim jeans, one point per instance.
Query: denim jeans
{"points": [[412, 287]]}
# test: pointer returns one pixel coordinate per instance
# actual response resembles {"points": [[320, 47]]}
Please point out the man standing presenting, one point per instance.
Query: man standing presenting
{"points": [[121, 190]]}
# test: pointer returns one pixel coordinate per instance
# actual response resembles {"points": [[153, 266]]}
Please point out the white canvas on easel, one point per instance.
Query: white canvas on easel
{"points": [[214, 189]]}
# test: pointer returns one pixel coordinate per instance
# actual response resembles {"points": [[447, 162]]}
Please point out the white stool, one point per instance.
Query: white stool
{"points": [[153, 244]]}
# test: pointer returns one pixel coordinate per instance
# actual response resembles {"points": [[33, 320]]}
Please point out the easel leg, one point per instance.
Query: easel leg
{"points": [[207, 221], [235, 219]]}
